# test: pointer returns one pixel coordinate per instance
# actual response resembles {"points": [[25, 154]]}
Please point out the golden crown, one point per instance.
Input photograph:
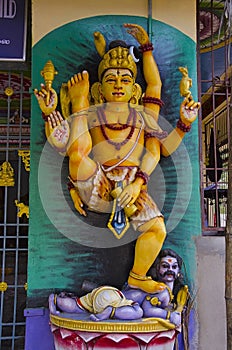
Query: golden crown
{"points": [[118, 57]]}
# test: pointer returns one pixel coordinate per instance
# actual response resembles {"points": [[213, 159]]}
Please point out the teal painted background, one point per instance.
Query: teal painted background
{"points": [[63, 249]]}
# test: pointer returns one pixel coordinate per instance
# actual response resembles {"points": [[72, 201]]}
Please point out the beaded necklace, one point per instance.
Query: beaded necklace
{"points": [[104, 124]]}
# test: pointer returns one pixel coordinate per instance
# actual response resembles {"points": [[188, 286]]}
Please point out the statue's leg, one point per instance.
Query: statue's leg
{"points": [[147, 247], [68, 304]]}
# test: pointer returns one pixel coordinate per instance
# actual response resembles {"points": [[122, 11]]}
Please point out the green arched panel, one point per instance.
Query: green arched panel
{"points": [[63, 249]]}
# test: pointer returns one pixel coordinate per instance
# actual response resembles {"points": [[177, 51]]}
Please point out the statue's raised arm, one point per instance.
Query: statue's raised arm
{"points": [[152, 96], [187, 115]]}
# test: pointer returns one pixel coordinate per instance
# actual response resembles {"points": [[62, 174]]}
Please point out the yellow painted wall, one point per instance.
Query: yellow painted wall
{"points": [[48, 15]]}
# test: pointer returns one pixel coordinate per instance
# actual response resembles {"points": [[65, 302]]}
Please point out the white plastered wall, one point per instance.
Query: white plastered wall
{"points": [[180, 14], [211, 309]]}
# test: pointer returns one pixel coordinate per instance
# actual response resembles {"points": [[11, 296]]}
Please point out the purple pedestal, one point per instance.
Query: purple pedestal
{"points": [[38, 331]]}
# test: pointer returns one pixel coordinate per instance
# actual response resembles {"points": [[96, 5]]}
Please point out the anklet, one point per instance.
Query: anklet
{"points": [[138, 277], [113, 312]]}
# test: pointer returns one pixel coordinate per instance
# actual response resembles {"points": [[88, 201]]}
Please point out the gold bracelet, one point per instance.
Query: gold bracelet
{"points": [[168, 315], [170, 293], [55, 299], [79, 114], [113, 312]]}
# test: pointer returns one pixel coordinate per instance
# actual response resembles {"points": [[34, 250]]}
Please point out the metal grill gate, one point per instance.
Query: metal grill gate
{"points": [[14, 206], [215, 58]]}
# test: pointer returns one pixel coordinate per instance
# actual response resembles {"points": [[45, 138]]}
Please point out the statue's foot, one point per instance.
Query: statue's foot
{"points": [[104, 315], [145, 283], [175, 318], [94, 318], [52, 304]]}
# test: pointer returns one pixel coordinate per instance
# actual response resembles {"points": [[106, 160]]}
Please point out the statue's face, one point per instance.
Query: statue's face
{"points": [[168, 269], [117, 85]]}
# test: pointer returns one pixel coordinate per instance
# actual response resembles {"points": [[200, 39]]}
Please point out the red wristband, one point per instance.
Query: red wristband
{"points": [[45, 117], [182, 126], [143, 176], [146, 47]]}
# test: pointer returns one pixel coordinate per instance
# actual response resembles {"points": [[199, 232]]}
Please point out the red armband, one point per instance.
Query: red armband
{"points": [[157, 134], [154, 100]]}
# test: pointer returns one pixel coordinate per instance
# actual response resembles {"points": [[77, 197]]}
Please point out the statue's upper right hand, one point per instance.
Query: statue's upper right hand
{"points": [[47, 99], [138, 32]]}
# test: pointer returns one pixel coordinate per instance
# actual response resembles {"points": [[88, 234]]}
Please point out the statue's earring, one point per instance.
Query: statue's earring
{"points": [[96, 93], [134, 100], [101, 98], [137, 92]]}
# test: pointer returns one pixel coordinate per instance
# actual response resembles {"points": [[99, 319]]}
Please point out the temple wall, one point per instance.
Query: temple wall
{"points": [[211, 308], [61, 13]]}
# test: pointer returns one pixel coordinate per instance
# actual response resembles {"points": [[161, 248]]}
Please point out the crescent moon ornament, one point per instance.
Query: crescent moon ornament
{"points": [[131, 50]]}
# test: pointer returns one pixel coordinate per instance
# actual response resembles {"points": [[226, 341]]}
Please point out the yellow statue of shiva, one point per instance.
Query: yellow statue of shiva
{"points": [[111, 135]]}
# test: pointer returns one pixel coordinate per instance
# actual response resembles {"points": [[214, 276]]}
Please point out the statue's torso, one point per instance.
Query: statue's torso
{"points": [[109, 146]]}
